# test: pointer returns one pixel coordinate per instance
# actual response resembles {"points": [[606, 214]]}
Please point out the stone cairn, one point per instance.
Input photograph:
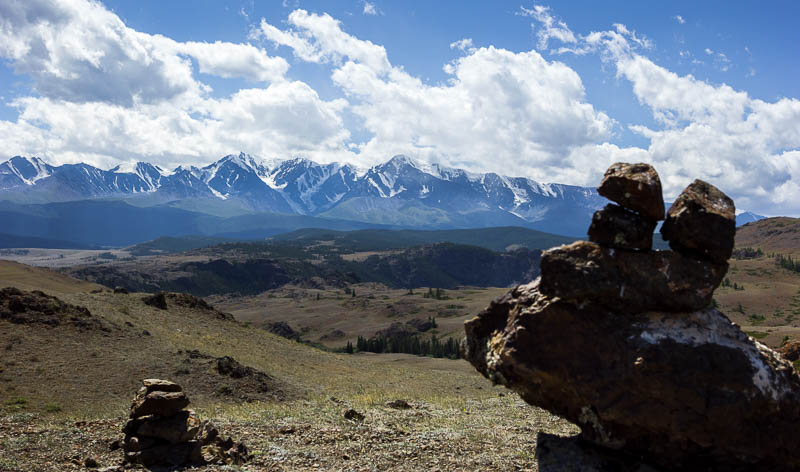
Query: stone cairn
{"points": [[161, 432], [622, 341]]}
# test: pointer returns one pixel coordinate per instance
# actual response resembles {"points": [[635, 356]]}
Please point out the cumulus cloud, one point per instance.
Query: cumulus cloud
{"points": [[499, 110], [679, 19], [108, 92], [746, 146]]}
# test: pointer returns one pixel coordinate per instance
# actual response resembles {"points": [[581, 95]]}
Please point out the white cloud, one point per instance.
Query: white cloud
{"points": [[747, 147], [679, 19], [499, 110], [319, 38], [108, 92], [462, 44], [235, 60], [370, 9], [79, 51], [550, 27]]}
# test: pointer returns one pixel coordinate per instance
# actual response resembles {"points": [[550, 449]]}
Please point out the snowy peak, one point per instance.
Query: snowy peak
{"points": [[23, 171]]}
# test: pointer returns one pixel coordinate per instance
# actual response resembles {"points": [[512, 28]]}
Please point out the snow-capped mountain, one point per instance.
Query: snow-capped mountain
{"points": [[399, 192]]}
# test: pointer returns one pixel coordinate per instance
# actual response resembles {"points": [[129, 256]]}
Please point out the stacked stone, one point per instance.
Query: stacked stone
{"points": [[617, 267], [161, 432], [620, 339], [629, 225]]}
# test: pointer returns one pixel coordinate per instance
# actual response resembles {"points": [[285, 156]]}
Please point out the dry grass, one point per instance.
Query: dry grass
{"points": [[374, 307], [64, 395]]}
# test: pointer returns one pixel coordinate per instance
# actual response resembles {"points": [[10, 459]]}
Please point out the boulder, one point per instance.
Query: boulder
{"points": [[685, 391], [158, 300], [635, 187], [628, 281], [616, 227], [701, 223], [158, 403]]}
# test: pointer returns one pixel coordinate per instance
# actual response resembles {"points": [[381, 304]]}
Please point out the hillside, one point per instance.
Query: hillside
{"points": [[496, 238], [16, 241], [251, 268], [297, 409], [781, 234]]}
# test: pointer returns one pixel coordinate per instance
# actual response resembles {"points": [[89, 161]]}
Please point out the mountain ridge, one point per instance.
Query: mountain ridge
{"points": [[403, 191], [400, 192]]}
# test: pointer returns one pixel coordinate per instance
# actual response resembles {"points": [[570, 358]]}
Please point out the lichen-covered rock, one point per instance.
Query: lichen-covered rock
{"points": [[685, 391], [636, 187], [701, 223], [616, 227], [628, 281]]}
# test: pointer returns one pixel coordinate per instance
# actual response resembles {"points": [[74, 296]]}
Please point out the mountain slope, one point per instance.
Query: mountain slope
{"points": [[496, 239], [770, 234]]}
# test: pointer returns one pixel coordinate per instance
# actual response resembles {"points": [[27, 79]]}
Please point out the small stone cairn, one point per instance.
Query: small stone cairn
{"points": [[161, 432]]}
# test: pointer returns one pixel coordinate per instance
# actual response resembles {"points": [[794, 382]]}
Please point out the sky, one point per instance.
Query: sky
{"points": [[554, 91]]}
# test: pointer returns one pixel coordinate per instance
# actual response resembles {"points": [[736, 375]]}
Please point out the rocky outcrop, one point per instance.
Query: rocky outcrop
{"points": [[161, 432], [36, 307], [623, 344]]}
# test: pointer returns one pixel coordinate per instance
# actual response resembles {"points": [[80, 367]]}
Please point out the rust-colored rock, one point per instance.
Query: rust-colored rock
{"points": [[616, 227], [636, 187], [790, 350], [628, 281], [684, 391], [701, 223]]}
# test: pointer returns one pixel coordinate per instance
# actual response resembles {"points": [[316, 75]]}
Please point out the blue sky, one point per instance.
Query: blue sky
{"points": [[554, 91]]}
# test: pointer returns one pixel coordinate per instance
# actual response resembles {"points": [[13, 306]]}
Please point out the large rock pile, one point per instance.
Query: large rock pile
{"points": [[161, 432], [621, 340]]}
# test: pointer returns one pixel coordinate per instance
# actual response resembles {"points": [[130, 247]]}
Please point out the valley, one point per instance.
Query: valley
{"points": [[287, 308]]}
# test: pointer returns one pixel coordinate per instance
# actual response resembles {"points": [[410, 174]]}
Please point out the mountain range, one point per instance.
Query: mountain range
{"points": [[399, 193]]}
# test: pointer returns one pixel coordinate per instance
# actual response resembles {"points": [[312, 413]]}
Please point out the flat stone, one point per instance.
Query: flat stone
{"points": [[628, 281], [636, 187], [701, 223], [153, 385], [180, 427], [680, 391], [614, 226], [158, 403]]}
